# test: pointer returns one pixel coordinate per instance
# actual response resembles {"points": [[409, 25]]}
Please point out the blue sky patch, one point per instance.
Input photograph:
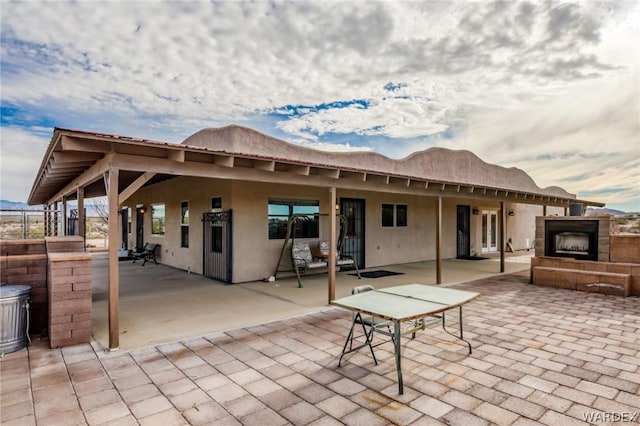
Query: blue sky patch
{"points": [[300, 110]]}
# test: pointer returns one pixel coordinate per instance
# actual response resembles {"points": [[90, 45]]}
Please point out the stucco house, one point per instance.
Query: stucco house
{"points": [[218, 203]]}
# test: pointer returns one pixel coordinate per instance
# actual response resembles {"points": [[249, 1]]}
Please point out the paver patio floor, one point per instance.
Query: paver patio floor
{"points": [[540, 356]]}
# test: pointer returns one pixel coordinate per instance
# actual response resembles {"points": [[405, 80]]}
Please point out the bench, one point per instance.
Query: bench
{"points": [[148, 252], [341, 260], [583, 280]]}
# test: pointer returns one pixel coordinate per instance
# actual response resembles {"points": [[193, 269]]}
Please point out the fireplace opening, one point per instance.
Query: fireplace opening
{"points": [[576, 239], [576, 243]]}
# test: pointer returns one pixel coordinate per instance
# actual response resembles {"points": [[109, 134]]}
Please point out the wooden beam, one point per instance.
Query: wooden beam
{"points": [[65, 222], [266, 165], [330, 173], [333, 244], [224, 160], [439, 240], [81, 218], [503, 234], [137, 184], [75, 144], [299, 170], [92, 174], [114, 283], [176, 155], [76, 157]]}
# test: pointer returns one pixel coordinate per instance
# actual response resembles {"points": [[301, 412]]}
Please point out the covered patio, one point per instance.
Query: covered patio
{"points": [[160, 304]]}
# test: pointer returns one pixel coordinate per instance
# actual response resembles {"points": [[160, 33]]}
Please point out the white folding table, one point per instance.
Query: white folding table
{"points": [[404, 305]]}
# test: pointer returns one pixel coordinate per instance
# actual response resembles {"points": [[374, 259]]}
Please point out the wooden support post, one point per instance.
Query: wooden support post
{"points": [[503, 233], [81, 219], [114, 283], [332, 244], [65, 217], [439, 241]]}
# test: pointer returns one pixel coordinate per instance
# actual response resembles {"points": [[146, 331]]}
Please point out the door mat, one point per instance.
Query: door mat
{"points": [[472, 257], [377, 274]]}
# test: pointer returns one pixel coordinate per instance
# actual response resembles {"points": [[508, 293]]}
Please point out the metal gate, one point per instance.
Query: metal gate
{"points": [[464, 233], [353, 210], [218, 241]]}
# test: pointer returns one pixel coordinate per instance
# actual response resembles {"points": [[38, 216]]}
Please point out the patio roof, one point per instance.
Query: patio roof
{"points": [[80, 159]]}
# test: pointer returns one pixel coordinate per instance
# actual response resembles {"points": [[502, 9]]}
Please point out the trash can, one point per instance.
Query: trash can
{"points": [[14, 317]]}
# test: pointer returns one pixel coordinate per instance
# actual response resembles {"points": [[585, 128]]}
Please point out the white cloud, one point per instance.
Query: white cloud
{"points": [[512, 81], [21, 153], [587, 140]]}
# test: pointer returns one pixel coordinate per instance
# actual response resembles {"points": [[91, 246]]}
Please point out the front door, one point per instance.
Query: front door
{"points": [[353, 211], [489, 231], [463, 233]]}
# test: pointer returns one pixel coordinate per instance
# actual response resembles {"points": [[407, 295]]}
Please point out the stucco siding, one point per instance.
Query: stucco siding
{"points": [[255, 256]]}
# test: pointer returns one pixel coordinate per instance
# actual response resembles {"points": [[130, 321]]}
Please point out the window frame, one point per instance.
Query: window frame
{"points": [[158, 223], [184, 224], [394, 215], [277, 222]]}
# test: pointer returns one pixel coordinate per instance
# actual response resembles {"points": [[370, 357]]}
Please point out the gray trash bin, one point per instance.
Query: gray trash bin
{"points": [[14, 317]]}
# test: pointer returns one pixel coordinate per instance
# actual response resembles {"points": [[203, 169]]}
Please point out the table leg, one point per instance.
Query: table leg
{"points": [[397, 346], [460, 323]]}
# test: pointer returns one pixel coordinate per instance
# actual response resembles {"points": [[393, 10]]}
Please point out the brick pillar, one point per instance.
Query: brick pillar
{"points": [[69, 288]]}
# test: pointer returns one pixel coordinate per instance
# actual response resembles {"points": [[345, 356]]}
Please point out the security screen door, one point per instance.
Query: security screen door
{"points": [[353, 210]]}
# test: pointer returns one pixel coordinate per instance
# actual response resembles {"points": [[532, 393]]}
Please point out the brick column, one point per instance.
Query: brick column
{"points": [[69, 281]]}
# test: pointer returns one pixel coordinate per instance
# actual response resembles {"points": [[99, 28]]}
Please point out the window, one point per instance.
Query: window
{"points": [[184, 224], [157, 219], [387, 215], [280, 211], [394, 214], [216, 205], [401, 215]]}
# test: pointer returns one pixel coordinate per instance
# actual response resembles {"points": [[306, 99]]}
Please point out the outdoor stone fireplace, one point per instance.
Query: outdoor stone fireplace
{"points": [[576, 237], [586, 253]]}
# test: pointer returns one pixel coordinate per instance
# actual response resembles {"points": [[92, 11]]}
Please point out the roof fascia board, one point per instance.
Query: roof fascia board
{"points": [[70, 143], [39, 181]]}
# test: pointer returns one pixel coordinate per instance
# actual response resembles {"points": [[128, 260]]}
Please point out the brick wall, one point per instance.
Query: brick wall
{"points": [[625, 248], [69, 244], [60, 285], [24, 262], [69, 291], [552, 279]]}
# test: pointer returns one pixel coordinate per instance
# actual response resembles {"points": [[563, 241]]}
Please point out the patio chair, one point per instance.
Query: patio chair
{"points": [[148, 252], [302, 259], [368, 323], [341, 260]]}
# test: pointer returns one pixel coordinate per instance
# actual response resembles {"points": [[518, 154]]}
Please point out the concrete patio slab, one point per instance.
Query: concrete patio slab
{"points": [[541, 356], [162, 304]]}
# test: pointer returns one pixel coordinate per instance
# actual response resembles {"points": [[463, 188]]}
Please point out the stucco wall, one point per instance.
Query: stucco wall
{"points": [[255, 256], [198, 192]]}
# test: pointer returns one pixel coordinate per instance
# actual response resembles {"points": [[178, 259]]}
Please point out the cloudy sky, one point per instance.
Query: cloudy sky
{"points": [[550, 87]]}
